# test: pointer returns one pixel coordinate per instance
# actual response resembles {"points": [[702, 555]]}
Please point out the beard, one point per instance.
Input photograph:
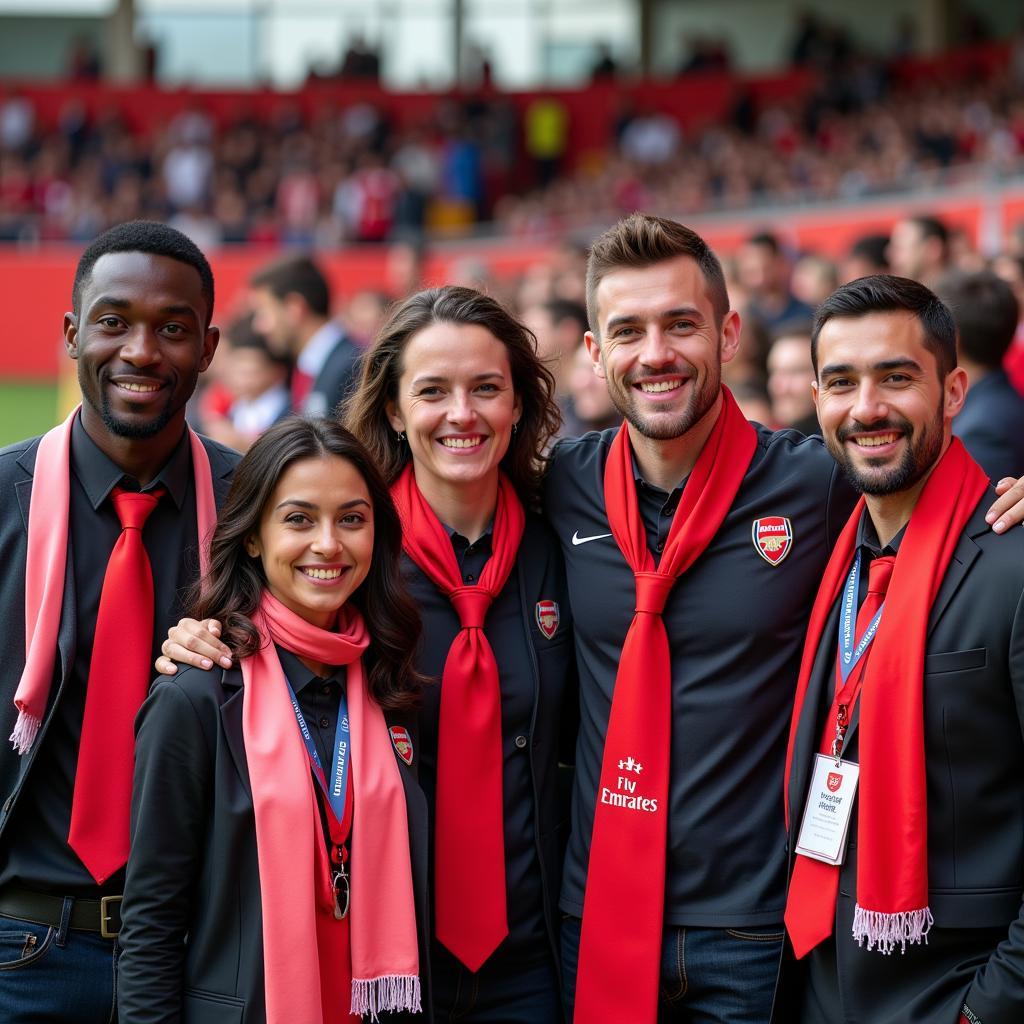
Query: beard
{"points": [[131, 429], [920, 454], [666, 426]]}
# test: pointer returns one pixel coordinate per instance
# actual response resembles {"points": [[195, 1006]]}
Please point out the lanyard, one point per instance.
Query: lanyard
{"points": [[849, 653], [848, 683], [336, 792]]}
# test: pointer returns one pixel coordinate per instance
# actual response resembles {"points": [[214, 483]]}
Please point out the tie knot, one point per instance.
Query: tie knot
{"points": [[652, 590], [879, 574], [133, 507], [471, 605]]}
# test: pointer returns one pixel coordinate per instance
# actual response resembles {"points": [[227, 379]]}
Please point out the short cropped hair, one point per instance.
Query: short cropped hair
{"points": [[641, 240], [886, 293], [146, 236], [986, 314], [296, 275]]}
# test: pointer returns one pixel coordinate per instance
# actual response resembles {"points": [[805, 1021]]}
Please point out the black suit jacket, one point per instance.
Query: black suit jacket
{"points": [[17, 466], [336, 378], [974, 751], [991, 425], [192, 930]]}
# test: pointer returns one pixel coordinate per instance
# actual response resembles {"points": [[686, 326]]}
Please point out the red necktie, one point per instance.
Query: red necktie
{"points": [[119, 674], [302, 385], [811, 904]]}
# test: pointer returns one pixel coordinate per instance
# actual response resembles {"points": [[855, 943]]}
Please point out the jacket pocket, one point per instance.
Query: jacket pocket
{"points": [[200, 1007], [955, 661]]}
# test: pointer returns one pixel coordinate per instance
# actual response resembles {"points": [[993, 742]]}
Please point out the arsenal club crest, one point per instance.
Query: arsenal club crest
{"points": [[834, 781], [547, 618], [402, 742], [773, 538]]}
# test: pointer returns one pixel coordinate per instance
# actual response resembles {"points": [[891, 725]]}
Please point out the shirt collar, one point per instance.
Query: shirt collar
{"points": [[314, 354], [867, 538], [298, 676], [458, 541], [99, 474], [641, 482]]}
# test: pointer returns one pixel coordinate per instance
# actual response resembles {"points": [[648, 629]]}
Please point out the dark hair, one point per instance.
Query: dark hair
{"points": [[931, 227], [560, 310], [986, 313], [240, 333], [146, 236], [365, 410], [233, 586], [872, 249], [886, 293], [296, 275], [641, 240], [767, 240]]}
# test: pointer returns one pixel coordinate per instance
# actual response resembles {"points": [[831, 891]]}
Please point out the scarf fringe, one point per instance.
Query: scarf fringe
{"points": [[26, 729], [392, 992], [886, 931]]}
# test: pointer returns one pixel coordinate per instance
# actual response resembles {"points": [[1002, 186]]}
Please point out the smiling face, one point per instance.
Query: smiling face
{"points": [[141, 340], [456, 404], [660, 348], [885, 412], [315, 537]]}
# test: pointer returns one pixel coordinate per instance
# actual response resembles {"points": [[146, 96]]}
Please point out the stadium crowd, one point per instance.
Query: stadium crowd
{"points": [[352, 173]]}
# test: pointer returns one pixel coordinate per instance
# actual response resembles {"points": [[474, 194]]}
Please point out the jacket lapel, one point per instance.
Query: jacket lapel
{"points": [[231, 720], [809, 730]]}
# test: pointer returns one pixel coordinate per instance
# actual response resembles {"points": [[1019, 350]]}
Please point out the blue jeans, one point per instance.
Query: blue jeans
{"points": [[708, 975], [55, 974], [496, 994]]}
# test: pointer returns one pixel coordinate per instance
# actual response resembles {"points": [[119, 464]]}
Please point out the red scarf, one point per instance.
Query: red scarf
{"points": [[892, 844], [320, 970], [623, 906], [469, 843], [46, 562]]}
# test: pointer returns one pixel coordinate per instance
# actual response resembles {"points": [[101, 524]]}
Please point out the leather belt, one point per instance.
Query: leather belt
{"points": [[102, 915]]}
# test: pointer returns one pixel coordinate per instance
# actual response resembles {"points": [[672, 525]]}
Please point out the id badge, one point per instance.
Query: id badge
{"points": [[826, 820]]}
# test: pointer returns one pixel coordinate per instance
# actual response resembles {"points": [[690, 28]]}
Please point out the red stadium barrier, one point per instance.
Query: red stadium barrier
{"points": [[35, 285]]}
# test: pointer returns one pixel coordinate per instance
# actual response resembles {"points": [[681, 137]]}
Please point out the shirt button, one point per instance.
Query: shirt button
{"points": [[666, 511], [521, 742], [470, 577], [324, 721], [659, 546], [326, 689]]}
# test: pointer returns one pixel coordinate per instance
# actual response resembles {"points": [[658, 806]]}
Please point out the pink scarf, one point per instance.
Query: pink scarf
{"points": [[375, 946], [45, 566]]}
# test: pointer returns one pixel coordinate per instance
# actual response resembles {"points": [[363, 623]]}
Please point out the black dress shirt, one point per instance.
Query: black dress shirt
{"points": [[35, 853]]}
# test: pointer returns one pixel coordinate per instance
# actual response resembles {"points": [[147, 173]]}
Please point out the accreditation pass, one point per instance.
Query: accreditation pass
{"points": [[827, 811]]}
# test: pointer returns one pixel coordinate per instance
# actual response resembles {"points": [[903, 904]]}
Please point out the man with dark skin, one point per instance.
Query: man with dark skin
{"points": [[140, 333]]}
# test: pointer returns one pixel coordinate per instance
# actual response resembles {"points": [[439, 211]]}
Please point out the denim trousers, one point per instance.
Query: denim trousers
{"points": [[499, 993], [708, 975], [55, 974]]}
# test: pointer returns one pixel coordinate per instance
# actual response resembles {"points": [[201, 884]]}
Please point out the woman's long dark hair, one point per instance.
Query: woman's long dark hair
{"points": [[232, 588], [365, 411]]}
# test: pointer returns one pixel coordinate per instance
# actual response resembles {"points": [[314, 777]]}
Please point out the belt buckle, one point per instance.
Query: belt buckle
{"points": [[106, 902]]}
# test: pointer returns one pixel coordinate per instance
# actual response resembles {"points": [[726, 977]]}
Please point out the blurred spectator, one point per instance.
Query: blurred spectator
{"points": [[991, 423], [919, 249], [256, 380], [604, 67], [814, 279], [764, 273], [591, 406], [83, 61], [360, 62], [789, 379], [546, 124], [559, 326], [291, 308], [753, 402], [1011, 269], [17, 122], [867, 256]]}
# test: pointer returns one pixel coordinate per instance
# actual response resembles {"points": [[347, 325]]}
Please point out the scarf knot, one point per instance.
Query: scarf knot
{"points": [[652, 591], [471, 604]]}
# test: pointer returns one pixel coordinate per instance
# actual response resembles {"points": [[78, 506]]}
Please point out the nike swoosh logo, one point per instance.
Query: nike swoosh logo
{"points": [[577, 539]]}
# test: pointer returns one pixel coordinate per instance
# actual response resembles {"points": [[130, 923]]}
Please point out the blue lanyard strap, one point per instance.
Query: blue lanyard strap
{"points": [[850, 649], [336, 790]]}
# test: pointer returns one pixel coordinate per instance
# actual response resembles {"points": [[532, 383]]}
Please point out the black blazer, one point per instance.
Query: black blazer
{"points": [[991, 425], [192, 925], [974, 752], [336, 378], [540, 575], [17, 466]]}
